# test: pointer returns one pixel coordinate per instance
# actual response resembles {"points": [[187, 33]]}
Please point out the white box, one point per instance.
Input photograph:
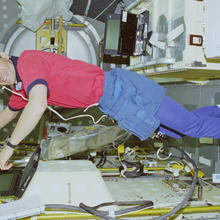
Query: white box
{"points": [[68, 182], [183, 26], [212, 32], [216, 177]]}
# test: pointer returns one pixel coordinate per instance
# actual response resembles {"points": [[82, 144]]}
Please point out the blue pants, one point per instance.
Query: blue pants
{"points": [[132, 100], [176, 121]]}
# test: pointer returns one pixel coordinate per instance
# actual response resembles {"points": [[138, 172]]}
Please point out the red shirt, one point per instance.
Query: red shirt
{"points": [[70, 83]]}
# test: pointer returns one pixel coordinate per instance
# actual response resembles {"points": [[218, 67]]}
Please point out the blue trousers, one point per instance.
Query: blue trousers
{"points": [[133, 100], [176, 121]]}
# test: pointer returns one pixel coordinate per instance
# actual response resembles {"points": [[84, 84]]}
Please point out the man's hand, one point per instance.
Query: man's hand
{"points": [[4, 55], [5, 154]]}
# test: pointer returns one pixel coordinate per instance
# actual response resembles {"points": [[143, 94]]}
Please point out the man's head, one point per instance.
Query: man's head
{"points": [[7, 70]]}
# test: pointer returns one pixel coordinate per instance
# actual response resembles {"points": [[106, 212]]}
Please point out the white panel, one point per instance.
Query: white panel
{"points": [[80, 47], [212, 30], [179, 29], [68, 182]]}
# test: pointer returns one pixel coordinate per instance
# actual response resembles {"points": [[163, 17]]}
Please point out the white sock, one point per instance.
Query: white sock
{"points": [[218, 105]]}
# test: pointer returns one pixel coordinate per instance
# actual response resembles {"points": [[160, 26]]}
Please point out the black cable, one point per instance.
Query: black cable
{"points": [[185, 200], [92, 210], [62, 206], [103, 214], [95, 212], [181, 205], [145, 204], [102, 160], [141, 205], [136, 172]]}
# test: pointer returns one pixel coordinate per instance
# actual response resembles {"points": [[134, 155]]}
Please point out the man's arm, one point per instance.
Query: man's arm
{"points": [[7, 116], [31, 115], [29, 118]]}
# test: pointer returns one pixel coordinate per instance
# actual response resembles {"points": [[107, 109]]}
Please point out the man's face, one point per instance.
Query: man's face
{"points": [[7, 72]]}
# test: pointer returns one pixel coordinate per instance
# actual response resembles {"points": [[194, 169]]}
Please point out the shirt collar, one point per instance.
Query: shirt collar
{"points": [[19, 82]]}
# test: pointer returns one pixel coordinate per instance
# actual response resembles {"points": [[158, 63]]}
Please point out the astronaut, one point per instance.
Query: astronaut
{"points": [[137, 103]]}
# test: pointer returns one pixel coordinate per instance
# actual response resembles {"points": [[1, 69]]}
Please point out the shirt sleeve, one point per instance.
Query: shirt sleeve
{"points": [[34, 70], [16, 102]]}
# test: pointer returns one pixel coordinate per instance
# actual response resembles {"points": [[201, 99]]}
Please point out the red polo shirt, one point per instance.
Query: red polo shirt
{"points": [[70, 83]]}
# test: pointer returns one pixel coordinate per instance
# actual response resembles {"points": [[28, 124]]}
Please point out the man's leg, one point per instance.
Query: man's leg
{"points": [[213, 111], [175, 117]]}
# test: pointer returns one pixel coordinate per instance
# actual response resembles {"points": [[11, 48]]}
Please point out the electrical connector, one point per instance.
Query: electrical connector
{"points": [[121, 149]]}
